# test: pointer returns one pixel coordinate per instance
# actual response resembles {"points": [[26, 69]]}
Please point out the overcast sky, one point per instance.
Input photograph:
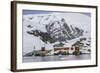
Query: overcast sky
{"points": [[25, 12]]}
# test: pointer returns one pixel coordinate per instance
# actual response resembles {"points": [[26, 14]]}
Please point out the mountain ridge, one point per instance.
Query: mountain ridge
{"points": [[66, 26]]}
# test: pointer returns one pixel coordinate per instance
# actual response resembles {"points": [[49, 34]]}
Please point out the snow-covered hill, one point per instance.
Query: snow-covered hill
{"points": [[48, 29]]}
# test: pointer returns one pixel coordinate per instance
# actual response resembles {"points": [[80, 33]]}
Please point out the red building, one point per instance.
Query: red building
{"points": [[67, 49]]}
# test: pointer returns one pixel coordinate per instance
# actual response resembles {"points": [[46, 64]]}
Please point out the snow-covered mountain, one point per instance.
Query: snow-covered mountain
{"points": [[48, 29]]}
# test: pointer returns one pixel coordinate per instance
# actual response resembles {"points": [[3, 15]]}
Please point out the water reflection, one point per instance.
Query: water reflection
{"points": [[56, 58]]}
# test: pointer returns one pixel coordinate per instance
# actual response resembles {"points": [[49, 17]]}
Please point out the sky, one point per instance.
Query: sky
{"points": [[26, 12]]}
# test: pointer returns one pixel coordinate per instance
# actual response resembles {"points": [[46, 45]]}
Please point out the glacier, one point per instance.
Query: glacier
{"points": [[67, 28]]}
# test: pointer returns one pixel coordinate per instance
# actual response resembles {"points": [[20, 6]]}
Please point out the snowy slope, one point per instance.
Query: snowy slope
{"points": [[40, 21]]}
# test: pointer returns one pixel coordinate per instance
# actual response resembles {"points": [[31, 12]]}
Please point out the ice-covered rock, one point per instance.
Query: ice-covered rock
{"points": [[54, 27]]}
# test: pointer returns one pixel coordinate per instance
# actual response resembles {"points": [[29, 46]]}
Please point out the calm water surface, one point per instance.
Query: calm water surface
{"points": [[56, 58]]}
